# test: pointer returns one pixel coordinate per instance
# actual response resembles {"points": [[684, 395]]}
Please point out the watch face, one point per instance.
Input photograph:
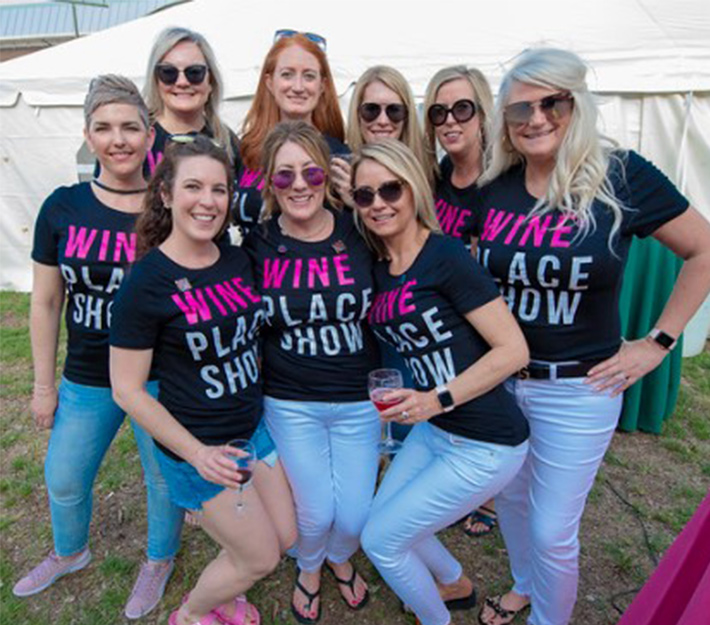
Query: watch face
{"points": [[445, 398], [663, 339]]}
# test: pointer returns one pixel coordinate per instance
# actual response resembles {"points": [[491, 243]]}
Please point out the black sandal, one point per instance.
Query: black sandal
{"points": [[499, 611], [311, 596], [488, 518], [350, 583]]}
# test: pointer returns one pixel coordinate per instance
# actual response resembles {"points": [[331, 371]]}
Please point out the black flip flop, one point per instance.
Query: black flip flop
{"points": [[350, 583], [311, 596]]}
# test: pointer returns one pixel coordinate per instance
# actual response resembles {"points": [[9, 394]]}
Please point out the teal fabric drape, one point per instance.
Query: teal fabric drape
{"points": [[650, 274]]}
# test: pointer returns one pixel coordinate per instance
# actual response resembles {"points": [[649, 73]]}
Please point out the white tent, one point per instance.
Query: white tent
{"points": [[650, 60]]}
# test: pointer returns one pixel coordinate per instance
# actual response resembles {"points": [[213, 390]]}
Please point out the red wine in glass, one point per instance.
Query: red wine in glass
{"points": [[380, 382], [377, 396], [245, 461]]}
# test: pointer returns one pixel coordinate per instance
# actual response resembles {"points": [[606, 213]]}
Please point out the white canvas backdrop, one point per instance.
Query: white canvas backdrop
{"points": [[650, 64]]}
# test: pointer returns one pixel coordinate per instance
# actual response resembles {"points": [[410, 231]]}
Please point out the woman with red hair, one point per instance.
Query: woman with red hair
{"points": [[295, 84]]}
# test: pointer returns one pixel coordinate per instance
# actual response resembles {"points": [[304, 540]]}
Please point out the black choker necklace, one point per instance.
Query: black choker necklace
{"points": [[101, 185]]}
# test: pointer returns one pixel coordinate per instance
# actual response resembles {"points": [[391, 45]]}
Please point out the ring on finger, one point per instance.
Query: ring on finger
{"points": [[404, 415]]}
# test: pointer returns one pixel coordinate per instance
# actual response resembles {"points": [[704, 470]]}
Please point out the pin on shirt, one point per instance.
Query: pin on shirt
{"points": [[339, 246], [183, 284]]}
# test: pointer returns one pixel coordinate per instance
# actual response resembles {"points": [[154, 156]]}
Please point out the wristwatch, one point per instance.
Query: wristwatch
{"points": [[445, 398], [665, 340]]}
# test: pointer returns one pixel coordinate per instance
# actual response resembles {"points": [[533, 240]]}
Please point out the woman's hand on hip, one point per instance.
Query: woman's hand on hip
{"points": [[412, 407], [633, 361]]}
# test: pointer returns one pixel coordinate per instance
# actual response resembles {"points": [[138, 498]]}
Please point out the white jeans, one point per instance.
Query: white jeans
{"points": [[539, 512], [329, 453], [433, 481]]}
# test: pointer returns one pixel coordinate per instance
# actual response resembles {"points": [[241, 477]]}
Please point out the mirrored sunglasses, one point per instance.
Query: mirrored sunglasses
{"points": [[554, 107], [168, 74], [462, 110], [390, 191], [285, 33], [283, 179], [370, 111]]}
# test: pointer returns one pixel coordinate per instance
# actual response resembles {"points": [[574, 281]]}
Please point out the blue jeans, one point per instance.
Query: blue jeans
{"points": [[85, 423], [188, 489], [434, 480], [571, 426], [329, 453]]}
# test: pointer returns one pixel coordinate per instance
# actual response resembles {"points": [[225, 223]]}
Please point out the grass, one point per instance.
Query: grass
{"points": [[646, 481]]}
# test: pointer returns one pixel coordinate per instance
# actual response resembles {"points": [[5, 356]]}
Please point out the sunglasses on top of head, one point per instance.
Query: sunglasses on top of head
{"points": [[389, 191], [283, 179], [462, 111], [285, 33], [169, 74], [370, 111], [553, 106]]}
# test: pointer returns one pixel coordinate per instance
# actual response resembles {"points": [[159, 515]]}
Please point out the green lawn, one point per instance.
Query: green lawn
{"points": [[648, 484]]}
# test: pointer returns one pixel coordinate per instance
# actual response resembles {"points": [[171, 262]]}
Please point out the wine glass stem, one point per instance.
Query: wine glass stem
{"points": [[388, 432]]}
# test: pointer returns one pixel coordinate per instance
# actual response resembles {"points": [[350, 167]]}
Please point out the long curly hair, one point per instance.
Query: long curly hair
{"points": [[581, 173], [264, 113], [155, 223]]}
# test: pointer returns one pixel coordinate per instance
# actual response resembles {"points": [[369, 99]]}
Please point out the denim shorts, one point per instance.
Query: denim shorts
{"points": [[188, 489]]}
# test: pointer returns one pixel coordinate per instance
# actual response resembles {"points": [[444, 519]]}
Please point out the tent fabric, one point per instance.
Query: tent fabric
{"points": [[650, 64]]}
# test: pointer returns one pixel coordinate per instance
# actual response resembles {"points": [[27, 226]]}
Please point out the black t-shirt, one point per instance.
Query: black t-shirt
{"points": [[317, 346], [92, 244], [454, 205], [203, 326], [249, 183], [564, 291], [421, 313]]}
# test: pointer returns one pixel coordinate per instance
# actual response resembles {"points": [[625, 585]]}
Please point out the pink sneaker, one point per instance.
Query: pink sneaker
{"points": [[48, 571], [149, 587]]}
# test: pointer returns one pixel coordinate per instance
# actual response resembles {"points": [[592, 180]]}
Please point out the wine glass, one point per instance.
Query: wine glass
{"points": [[379, 383], [245, 461]]}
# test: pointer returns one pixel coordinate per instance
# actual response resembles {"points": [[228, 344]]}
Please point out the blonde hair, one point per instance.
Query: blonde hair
{"points": [[166, 41], [581, 173], [113, 89], [482, 98], [402, 162], [392, 79], [305, 136], [264, 113]]}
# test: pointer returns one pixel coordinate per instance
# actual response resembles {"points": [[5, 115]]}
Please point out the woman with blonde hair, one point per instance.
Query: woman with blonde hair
{"points": [[183, 91], [189, 312], [314, 272], [83, 245], [557, 213], [295, 84], [382, 107], [458, 109], [435, 304]]}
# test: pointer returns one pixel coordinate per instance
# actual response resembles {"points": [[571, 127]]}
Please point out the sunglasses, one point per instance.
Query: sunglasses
{"points": [[283, 179], [285, 33], [553, 107], [462, 110], [389, 191], [168, 74], [370, 111], [191, 138]]}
